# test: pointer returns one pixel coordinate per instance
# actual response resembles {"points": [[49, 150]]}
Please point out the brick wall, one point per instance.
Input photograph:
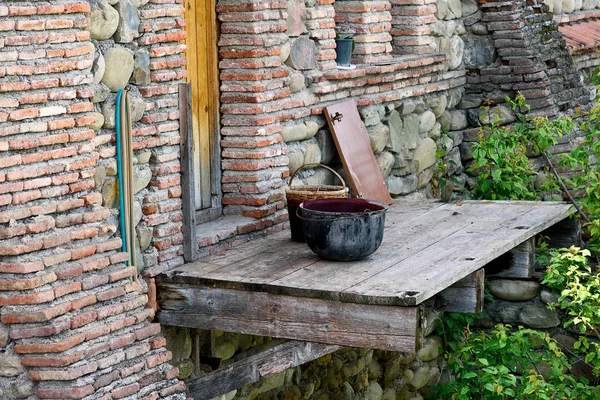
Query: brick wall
{"points": [[74, 321]]}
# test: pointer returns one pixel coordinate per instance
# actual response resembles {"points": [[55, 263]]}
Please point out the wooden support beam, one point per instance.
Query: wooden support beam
{"points": [[298, 318], [517, 263], [270, 358], [565, 233], [188, 195], [464, 296]]}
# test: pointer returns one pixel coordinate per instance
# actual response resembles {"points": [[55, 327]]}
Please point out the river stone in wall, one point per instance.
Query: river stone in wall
{"points": [[479, 51], [469, 7], [98, 68], [104, 21], [385, 161], [141, 68], [378, 137], [404, 132], [424, 156], [129, 22], [119, 67], [539, 317], [400, 185], [302, 54], [514, 290]]}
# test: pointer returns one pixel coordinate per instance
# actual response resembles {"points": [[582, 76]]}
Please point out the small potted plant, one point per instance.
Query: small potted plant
{"points": [[344, 46]]}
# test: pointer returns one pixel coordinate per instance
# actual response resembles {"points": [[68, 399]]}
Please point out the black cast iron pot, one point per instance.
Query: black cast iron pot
{"points": [[343, 229]]}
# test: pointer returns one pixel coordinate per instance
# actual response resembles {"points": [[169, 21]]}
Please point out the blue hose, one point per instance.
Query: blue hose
{"points": [[120, 171]]}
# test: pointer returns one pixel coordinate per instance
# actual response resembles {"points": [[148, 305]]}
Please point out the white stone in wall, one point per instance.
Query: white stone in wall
{"points": [[424, 155], [313, 154], [589, 4], [129, 22], [437, 104], [458, 120], [295, 159], [456, 51], [378, 137], [578, 5], [141, 179], [443, 28], [297, 82], [402, 185], [285, 49], [385, 161], [98, 121], [119, 67], [138, 106], [558, 6], [469, 7], [426, 121], [104, 21], [568, 6], [98, 68]]}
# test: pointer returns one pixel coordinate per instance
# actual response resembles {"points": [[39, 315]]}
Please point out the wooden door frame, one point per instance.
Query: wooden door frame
{"points": [[201, 21]]}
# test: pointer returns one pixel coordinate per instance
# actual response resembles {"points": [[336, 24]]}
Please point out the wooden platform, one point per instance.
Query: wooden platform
{"points": [[276, 287]]}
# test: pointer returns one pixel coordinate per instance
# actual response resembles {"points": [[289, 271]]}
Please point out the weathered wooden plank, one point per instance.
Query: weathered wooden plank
{"points": [[519, 263], [564, 233], [273, 357], [299, 318], [464, 296], [188, 191], [408, 241], [428, 272], [354, 148], [262, 261]]}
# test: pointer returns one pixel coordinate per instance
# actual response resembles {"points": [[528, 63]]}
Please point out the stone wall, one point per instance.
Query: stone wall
{"points": [[571, 6], [74, 321], [350, 373]]}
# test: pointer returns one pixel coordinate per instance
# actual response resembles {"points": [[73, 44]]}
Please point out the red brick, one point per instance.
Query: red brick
{"points": [[176, 388], [105, 380], [61, 361], [83, 319], [125, 391], [110, 310], [150, 379], [65, 393], [27, 283], [121, 341], [122, 323], [146, 332], [53, 328], [36, 316], [22, 299], [73, 287], [82, 252], [123, 273], [63, 374], [94, 281], [97, 332], [99, 348], [157, 359], [95, 264], [55, 347], [84, 302], [158, 342], [110, 294], [21, 267]]}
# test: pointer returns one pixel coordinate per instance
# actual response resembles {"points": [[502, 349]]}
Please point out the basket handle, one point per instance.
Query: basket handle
{"points": [[317, 165]]}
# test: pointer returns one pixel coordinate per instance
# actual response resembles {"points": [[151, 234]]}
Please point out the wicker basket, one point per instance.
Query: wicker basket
{"points": [[295, 196]]}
